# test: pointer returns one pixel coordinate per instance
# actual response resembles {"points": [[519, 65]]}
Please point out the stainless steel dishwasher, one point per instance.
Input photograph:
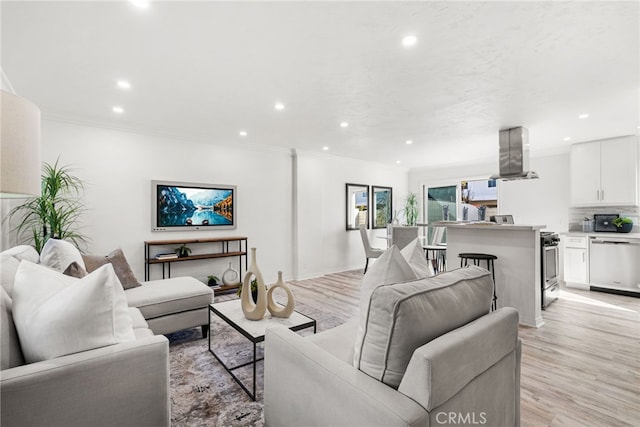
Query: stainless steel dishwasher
{"points": [[614, 263]]}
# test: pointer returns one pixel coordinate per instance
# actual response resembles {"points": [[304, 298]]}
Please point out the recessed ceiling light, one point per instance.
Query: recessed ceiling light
{"points": [[344, 125], [583, 116], [140, 4], [118, 110], [409, 142], [397, 162], [279, 106], [567, 138], [409, 41], [325, 148], [243, 133], [123, 84]]}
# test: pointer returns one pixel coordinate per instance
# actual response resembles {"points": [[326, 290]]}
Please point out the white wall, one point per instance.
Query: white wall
{"points": [[323, 243], [540, 201], [118, 167]]}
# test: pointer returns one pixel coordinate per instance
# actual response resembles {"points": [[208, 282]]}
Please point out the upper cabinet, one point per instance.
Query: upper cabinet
{"points": [[605, 173]]}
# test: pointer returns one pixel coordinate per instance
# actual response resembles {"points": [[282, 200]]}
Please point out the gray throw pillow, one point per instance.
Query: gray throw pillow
{"points": [[75, 270], [120, 265], [404, 316]]}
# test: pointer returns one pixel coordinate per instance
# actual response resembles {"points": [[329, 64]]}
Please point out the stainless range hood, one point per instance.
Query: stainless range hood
{"points": [[514, 155]]}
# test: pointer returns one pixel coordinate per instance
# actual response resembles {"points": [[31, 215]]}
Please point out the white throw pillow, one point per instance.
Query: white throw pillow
{"points": [[9, 262], [56, 315], [8, 267], [59, 254], [21, 252], [415, 256], [390, 268]]}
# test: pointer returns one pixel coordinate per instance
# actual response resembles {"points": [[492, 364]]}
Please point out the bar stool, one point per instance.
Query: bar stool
{"points": [[476, 258], [437, 255]]}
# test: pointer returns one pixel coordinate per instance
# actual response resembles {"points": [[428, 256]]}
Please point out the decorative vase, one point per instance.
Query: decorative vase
{"points": [[445, 212], [275, 309], [251, 310], [230, 276], [482, 210]]}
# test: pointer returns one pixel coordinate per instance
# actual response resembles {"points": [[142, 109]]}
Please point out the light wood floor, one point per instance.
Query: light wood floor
{"points": [[582, 368]]}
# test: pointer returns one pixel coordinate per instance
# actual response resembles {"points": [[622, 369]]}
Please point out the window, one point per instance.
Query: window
{"points": [[478, 199]]}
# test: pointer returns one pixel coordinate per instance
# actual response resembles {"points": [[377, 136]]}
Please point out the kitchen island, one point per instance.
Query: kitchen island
{"points": [[517, 269]]}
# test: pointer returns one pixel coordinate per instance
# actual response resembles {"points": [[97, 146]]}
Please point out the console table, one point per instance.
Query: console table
{"points": [[217, 247]]}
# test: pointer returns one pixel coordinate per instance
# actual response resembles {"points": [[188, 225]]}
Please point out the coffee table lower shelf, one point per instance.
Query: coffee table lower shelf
{"points": [[231, 313]]}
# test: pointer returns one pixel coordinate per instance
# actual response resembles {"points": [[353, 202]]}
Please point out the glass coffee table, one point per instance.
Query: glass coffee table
{"points": [[231, 313]]}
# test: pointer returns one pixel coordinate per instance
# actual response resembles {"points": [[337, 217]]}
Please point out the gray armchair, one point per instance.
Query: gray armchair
{"points": [[473, 372], [430, 350]]}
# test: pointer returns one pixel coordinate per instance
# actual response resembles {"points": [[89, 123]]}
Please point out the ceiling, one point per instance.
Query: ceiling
{"points": [[206, 70]]}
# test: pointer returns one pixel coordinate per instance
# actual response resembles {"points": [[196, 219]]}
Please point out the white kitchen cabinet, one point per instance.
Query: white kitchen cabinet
{"points": [[576, 262], [605, 173]]}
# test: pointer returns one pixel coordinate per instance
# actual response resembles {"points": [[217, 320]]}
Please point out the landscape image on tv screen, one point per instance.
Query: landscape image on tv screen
{"points": [[179, 206]]}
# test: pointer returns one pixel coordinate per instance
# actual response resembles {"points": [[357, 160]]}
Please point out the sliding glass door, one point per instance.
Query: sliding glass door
{"points": [[441, 203], [440, 206], [472, 200]]}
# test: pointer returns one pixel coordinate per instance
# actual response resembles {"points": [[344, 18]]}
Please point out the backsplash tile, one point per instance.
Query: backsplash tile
{"points": [[576, 215]]}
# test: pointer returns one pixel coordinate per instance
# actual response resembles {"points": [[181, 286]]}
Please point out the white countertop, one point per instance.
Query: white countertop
{"points": [[488, 226], [602, 234]]}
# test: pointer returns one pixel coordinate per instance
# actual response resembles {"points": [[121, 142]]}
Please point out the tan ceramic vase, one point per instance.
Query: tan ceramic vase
{"points": [[230, 276], [251, 310], [277, 310]]}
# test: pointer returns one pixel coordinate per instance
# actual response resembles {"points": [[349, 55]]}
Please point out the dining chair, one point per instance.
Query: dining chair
{"points": [[369, 252], [402, 235], [437, 250]]}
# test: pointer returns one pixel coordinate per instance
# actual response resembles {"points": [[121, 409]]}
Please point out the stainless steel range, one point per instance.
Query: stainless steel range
{"points": [[549, 261]]}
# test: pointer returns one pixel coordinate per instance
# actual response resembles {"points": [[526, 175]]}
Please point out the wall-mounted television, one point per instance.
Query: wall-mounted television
{"points": [[183, 206]]}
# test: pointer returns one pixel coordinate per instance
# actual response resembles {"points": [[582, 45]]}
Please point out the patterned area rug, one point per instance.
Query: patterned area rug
{"points": [[203, 393]]}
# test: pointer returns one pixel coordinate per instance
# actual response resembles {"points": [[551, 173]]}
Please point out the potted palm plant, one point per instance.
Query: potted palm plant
{"points": [[411, 209], [254, 290], [55, 213], [183, 251]]}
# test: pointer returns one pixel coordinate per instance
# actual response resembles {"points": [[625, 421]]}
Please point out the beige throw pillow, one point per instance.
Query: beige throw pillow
{"points": [[120, 265], [75, 270], [56, 315]]}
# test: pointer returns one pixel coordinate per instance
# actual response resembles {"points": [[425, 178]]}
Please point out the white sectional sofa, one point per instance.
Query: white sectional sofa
{"points": [[123, 384]]}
